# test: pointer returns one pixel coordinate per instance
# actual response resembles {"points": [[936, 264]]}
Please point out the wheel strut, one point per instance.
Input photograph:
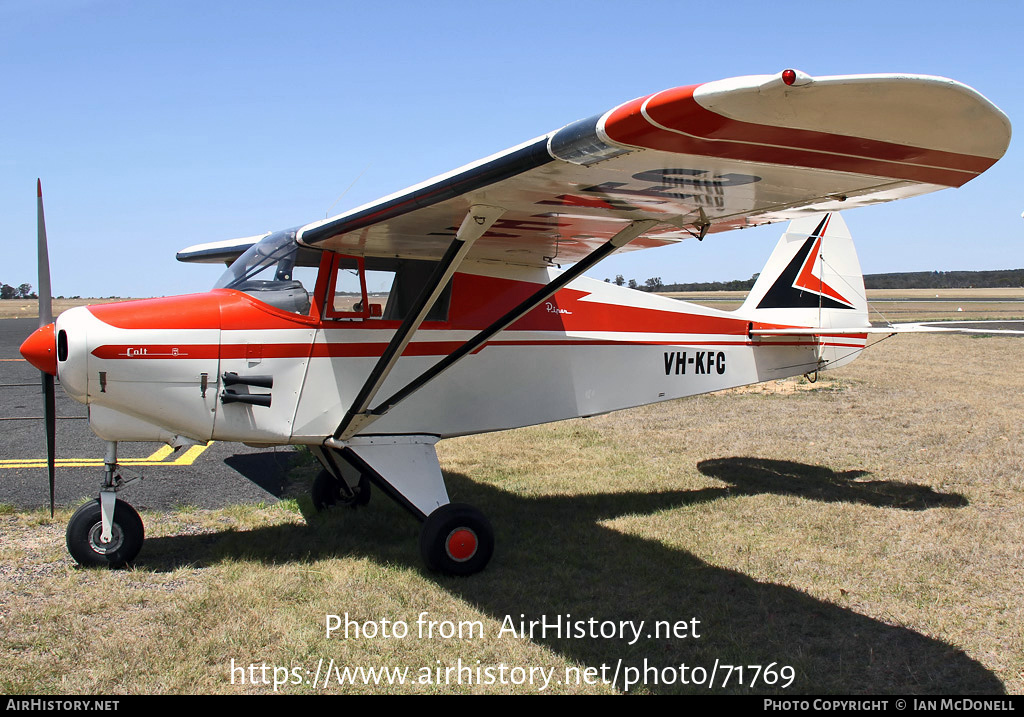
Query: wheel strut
{"points": [[106, 532]]}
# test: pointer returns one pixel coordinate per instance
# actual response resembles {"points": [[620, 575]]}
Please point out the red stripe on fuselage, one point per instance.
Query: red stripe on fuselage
{"points": [[159, 352], [476, 302], [156, 352], [479, 300]]}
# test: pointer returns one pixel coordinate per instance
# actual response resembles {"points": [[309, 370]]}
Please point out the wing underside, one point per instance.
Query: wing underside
{"points": [[695, 160]]}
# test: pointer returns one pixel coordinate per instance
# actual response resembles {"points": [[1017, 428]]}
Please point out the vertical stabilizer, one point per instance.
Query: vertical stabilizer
{"points": [[812, 279]]}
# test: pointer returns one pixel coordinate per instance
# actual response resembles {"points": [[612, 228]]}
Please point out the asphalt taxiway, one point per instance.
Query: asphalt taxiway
{"points": [[211, 477]]}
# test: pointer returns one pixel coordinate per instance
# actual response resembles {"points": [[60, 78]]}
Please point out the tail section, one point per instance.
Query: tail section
{"points": [[812, 279], [811, 294]]}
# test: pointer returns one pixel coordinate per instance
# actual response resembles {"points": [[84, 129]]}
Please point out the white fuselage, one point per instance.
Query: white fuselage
{"points": [[152, 370]]}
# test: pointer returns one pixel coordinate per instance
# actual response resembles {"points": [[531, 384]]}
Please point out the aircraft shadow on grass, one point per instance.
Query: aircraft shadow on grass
{"points": [[754, 476], [268, 469], [591, 571]]}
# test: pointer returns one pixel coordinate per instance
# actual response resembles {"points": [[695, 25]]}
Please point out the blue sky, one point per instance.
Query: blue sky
{"points": [[156, 125]]}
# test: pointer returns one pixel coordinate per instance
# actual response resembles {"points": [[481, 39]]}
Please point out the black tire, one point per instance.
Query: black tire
{"points": [[327, 492], [456, 539], [83, 536]]}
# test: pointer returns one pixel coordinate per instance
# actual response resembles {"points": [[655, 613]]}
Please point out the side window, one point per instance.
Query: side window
{"points": [[410, 279], [374, 288], [346, 287], [356, 292]]}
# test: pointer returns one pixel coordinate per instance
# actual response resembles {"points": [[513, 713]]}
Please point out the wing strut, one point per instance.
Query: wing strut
{"points": [[347, 428], [478, 220]]}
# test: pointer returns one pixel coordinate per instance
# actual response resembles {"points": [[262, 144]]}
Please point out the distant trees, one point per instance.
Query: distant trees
{"points": [[946, 279], [734, 285], [24, 291], [1002, 278]]}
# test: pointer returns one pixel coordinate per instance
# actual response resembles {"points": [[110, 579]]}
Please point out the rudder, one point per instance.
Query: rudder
{"points": [[812, 278]]}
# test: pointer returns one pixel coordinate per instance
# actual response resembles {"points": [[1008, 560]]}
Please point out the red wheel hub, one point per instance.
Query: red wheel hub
{"points": [[461, 544]]}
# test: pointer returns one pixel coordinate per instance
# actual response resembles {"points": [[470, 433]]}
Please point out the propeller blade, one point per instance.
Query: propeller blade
{"points": [[50, 415], [45, 318], [45, 306]]}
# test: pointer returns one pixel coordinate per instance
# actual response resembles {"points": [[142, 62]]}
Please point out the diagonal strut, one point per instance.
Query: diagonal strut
{"points": [[623, 237], [478, 220]]}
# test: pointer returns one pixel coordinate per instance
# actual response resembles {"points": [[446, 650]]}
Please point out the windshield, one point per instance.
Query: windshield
{"points": [[272, 271]]}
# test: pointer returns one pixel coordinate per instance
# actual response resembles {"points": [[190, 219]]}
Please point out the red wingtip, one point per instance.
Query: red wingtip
{"points": [[39, 188]]}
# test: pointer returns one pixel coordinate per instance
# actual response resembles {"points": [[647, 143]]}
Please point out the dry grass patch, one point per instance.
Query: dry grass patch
{"points": [[894, 494], [869, 535], [29, 308], [253, 596]]}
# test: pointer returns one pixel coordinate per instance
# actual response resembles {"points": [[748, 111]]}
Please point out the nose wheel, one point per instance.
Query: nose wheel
{"points": [[85, 536]]}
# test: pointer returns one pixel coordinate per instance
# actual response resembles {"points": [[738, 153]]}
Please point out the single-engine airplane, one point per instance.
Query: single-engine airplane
{"points": [[441, 310]]}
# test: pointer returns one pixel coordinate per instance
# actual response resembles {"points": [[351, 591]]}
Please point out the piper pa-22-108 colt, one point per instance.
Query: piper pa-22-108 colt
{"points": [[441, 310]]}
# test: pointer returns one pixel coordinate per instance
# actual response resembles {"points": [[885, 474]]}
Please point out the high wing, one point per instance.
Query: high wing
{"points": [[699, 159], [218, 252]]}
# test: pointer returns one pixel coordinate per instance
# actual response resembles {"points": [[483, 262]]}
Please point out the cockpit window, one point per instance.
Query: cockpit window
{"points": [[385, 288], [276, 271]]}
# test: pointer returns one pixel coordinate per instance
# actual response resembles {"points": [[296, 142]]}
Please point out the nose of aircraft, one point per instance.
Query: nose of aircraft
{"points": [[40, 349]]}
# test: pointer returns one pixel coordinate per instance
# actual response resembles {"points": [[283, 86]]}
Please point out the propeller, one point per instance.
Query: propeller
{"points": [[46, 320]]}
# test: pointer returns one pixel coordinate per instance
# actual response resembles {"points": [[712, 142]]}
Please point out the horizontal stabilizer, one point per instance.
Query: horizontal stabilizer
{"points": [[960, 327], [935, 327], [824, 332]]}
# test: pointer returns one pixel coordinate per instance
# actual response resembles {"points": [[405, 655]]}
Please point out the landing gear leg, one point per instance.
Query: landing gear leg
{"points": [[327, 492], [455, 539], [339, 483], [106, 532]]}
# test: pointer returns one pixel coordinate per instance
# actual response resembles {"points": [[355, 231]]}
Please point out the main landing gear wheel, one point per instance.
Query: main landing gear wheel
{"points": [[327, 492], [457, 539], [86, 526]]}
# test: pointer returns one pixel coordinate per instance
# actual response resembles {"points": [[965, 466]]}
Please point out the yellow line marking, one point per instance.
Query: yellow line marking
{"points": [[187, 458], [161, 453], [190, 455], [13, 359]]}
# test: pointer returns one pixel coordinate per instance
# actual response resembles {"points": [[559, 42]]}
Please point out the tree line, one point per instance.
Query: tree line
{"points": [[22, 291], [995, 279]]}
